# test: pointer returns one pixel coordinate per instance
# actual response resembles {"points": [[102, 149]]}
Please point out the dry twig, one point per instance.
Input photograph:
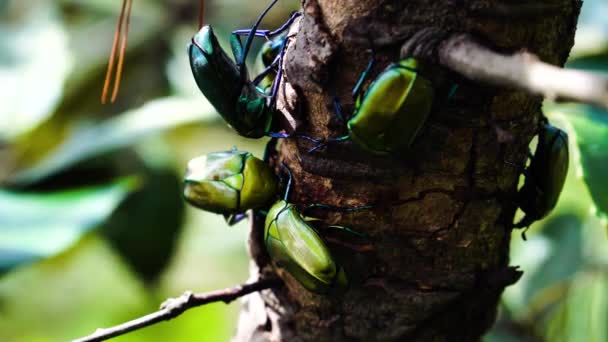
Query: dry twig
{"points": [[174, 307]]}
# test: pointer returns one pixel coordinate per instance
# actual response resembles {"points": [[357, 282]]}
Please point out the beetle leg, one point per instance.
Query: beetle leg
{"points": [[241, 61], [277, 79], [265, 72], [338, 109], [452, 91], [370, 65], [268, 33], [289, 181], [327, 142], [349, 230], [318, 143], [232, 219], [525, 223]]}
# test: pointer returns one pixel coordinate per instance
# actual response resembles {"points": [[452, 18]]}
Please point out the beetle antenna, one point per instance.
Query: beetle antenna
{"points": [[289, 179], [120, 38], [251, 36], [201, 14]]}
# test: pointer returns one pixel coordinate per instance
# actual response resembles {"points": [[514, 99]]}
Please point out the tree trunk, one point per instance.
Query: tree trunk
{"points": [[441, 223]]}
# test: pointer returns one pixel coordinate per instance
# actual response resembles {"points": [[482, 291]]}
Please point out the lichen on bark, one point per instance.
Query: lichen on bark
{"points": [[441, 221]]}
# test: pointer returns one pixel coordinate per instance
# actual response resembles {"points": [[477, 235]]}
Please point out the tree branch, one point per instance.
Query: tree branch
{"points": [[174, 307], [522, 70]]}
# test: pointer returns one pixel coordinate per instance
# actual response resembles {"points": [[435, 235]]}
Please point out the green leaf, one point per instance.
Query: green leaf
{"points": [[582, 313], [146, 226], [592, 28], [565, 257], [596, 62], [589, 131], [112, 134], [37, 225], [34, 64]]}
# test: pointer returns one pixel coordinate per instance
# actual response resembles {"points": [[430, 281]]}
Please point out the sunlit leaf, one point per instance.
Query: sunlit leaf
{"points": [[583, 313], [34, 64], [589, 131], [37, 225], [115, 133]]}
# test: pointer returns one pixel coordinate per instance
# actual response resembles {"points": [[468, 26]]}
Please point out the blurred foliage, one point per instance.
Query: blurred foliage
{"points": [[563, 294], [61, 151], [57, 219]]}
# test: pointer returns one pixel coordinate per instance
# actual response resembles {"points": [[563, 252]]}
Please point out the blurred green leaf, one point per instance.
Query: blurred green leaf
{"points": [[582, 312], [112, 134], [146, 226], [37, 225], [596, 62], [592, 28], [590, 128], [70, 294], [34, 64], [565, 257]]}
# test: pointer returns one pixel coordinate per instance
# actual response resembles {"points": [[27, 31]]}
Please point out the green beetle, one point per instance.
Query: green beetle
{"points": [[269, 52], [545, 176], [244, 106], [229, 183], [389, 115], [294, 245]]}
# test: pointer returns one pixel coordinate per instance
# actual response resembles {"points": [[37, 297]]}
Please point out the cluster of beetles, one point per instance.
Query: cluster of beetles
{"points": [[386, 118]]}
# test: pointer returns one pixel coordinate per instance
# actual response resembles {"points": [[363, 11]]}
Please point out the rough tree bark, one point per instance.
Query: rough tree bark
{"points": [[441, 222]]}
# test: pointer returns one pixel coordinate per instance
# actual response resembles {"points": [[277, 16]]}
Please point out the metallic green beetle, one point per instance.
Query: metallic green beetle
{"points": [[545, 176], [245, 107], [389, 115], [229, 183], [294, 245], [269, 52]]}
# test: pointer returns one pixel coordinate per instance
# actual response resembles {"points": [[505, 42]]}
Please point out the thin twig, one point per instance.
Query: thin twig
{"points": [[174, 307], [522, 70]]}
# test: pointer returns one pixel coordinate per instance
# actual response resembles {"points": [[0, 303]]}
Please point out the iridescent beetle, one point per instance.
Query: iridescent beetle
{"points": [[244, 106], [268, 54], [229, 183], [294, 245], [545, 177], [389, 115]]}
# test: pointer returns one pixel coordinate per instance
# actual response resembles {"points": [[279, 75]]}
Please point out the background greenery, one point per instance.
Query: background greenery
{"points": [[93, 230]]}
